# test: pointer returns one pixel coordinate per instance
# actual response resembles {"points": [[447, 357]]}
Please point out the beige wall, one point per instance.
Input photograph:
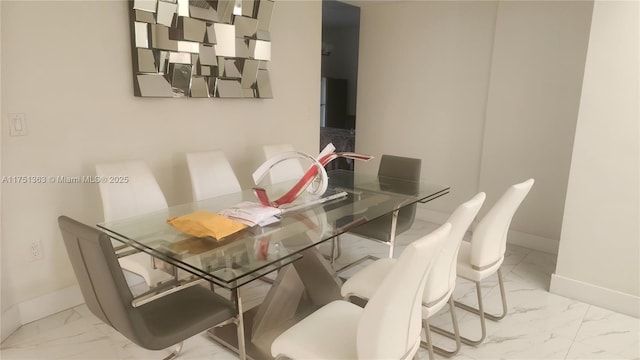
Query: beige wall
{"points": [[599, 255], [422, 88], [486, 93], [5, 296], [536, 76], [67, 66]]}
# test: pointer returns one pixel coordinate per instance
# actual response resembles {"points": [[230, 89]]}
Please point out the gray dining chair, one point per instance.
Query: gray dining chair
{"points": [[155, 325], [381, 229]]}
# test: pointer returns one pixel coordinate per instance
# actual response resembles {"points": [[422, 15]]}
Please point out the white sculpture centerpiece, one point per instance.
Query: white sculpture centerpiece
{"points": [[316, 174]]}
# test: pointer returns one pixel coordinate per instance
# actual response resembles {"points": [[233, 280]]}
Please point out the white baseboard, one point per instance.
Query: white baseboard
{"points": [[534, 242], [10, 322], [596, 295], [433, 216], [515, 237], [49, 304]]}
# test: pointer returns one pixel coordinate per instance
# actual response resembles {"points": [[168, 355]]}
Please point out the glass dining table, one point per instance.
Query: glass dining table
{"points": [[305, 279]]}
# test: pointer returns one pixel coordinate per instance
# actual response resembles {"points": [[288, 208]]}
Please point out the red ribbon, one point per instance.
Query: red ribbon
{"points": [[305, 181]]}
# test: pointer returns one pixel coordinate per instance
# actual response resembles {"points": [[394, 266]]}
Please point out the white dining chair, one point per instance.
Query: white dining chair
{"points": [[483, 256], [211, 175], [290, 169], [139, 194], [388, 327], [440, 282]]}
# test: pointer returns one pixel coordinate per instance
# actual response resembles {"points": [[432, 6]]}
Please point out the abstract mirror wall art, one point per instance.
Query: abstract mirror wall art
{"points": [[201, 48]]}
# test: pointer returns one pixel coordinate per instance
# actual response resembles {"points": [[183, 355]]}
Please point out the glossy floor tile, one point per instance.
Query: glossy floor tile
{"points": [[540, 325]]}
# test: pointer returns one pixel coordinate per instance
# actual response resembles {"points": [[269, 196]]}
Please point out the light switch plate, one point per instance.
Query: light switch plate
{"points": [[17, 124]]}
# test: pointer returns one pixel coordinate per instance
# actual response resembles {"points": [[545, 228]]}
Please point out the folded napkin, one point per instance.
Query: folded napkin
{"points": [[251, 213], [204, 223]]}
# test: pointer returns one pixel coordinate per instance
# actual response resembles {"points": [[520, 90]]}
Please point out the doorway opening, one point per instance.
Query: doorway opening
{"points": [[339, 71]]}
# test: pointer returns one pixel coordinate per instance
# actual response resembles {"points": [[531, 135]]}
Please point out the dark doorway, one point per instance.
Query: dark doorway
{"points": [[340, 40]]}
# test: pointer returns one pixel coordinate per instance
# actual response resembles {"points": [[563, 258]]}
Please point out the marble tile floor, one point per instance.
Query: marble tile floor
{"points": [[539, 325]]}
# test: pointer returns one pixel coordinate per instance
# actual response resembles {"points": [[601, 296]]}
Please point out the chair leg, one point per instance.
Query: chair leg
{"points": [[456, 334], [483, 325], [336, 252], [429, 343], [357, 262], [487, 315], [176, 350], [392, 237]]}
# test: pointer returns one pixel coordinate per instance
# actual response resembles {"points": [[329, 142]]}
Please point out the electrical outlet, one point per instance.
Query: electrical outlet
{"points": [[35, 250]]}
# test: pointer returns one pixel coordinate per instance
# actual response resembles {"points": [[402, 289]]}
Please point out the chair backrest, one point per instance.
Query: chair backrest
{"points": [[442, 277], [139, 194], [391, 321], [287, 170], [211, 175], [400, 167], [489, 239], [101, 281], [407, 169]]}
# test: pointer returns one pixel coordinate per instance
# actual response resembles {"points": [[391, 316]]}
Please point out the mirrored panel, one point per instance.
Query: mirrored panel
{"points": [[153, 86], [242, 48], [199, 87], [166, 13], [225, 39], [144, 16], [201, 48], [145, 5], [141, 33], [208, 55], [260, 50], [180, 75], [229, 88], [147, 61], [183, 7], [249, 74], [265, 10], [245, 27], [201, 9], [232, 68], [180, 58], [264, 84], [225, 11]]}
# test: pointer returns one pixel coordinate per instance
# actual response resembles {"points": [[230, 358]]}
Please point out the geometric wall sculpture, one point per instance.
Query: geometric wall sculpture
{"points": [[201, 48]]}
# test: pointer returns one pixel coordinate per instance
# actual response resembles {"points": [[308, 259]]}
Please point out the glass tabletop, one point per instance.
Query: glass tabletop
{"points": [[352, 199]]}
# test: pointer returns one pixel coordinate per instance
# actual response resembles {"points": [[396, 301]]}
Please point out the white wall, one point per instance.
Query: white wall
{"points": [[534, 91], [67, 66], [422, 88], [599, 255], [5, 296], [486, 93]]}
